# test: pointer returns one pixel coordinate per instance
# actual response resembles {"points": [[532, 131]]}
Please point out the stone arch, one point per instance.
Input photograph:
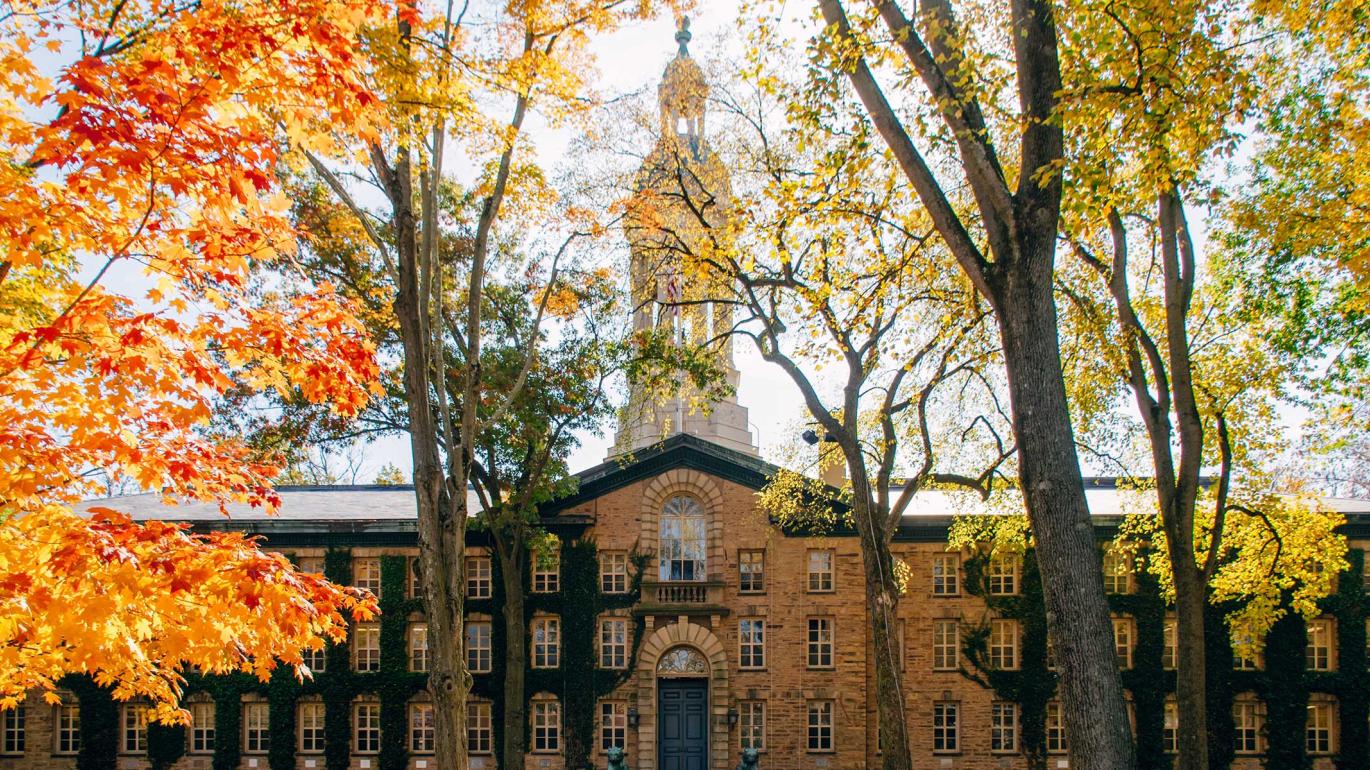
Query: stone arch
{"points": [[683, 633], [682, 481]]}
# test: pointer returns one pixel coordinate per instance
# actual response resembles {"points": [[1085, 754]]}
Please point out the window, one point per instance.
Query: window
{"points": [[683, 540], [1051, 654], [366, 573], [820, 725], [751, 643], [546, 571], [479, 734], [1003, 574], [546, 726], [68, 728], [1170, 651], [478, 585], [309, 564], [751, 572], [613, 572], [422, 728], [1055, 728], [201, 727], [1319, 651], [478, 655], [546, 642], [946, 574], [613, 643], [309, 715], [366, 647], [946, 642], [1170, 727], [1117, 572], [1122, 641], [1003, 644], [418, 647], [613, 725], [820, 571], [315, 660], [1003, 727], [256, 728], [415, 578], [133, 724], [1321, 715], [366, 727], [1248, 722], [945, 727], [13, 738], [752, 718], [820, 643]]}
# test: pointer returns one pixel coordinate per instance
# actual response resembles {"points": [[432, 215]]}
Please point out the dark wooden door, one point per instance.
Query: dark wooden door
{"points": [[683, 724]]}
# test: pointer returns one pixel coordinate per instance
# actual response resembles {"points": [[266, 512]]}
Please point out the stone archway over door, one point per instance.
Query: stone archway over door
{"points": [[659, 642]]}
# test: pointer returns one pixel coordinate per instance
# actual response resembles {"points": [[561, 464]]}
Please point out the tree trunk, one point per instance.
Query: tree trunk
{"points": [[515, 656], [441, 514], [1191, 669], [1092, 701]]}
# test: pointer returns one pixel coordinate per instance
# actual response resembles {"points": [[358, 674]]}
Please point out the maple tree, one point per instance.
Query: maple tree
{"points": [[147, 134]]}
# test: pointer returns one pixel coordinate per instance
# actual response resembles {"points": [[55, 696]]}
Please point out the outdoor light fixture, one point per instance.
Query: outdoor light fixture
{"points": [[633, 716], [732, 717]]}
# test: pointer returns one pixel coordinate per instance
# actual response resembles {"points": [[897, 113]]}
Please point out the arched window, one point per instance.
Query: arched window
{"points": [[683, 539], [682, 661]]}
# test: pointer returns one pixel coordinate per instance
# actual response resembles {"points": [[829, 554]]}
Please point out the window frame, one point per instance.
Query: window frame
{"points": [[1003, 573], [613, 572], [682, 556], [372, 710], [751, 582], [372, 580], [480, 728], [1000, 650], [137, 730], [614, 648], [256, 727], [480, 656], [66, 726], [819, 726], [422, 737], [815, 643], [548, 712], [14, 731], [306, 731], [546, 572], [946, 727], [1124, 644], [1320, 736], [1248, 722], [946, 574], [200, 737], [417, 643], [998, 729], [370, 655], [824, 579], [751, 644], [1054, 728], [547, 650], [1319, 652], [479, 577], [613, 724], [940, 645], [750, 733]]}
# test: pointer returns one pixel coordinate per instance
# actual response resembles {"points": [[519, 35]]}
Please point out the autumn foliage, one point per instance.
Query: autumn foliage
{"points": [[146, 269]]}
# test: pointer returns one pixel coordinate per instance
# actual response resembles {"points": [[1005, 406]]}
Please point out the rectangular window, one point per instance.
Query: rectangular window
{"points": [[312, 564], [546, 726], [613, 572], [1055, 728], [366, 573], [1003, 644], [1003, 574], [1170, 651], [820, 725], [478, 585], [133, 728], [751, 643], [546, 642], [14, 738], [820, 571], [366, 727], [479, 734], [1003, 727], [418, 647], [613, 725], [256, 728], [547, 572], [1170, 728], [478, 649], [315, 660], [415, 578], [423, 728], [201, 728], [1117, 572], [366, 647], [68, 728], [1122, 641], [946, 574], [751, 572], [1248, 722], [946, 642], [1319, 727], [945, 727], [613, 643], [309, 715], [820, 642], [1319, 651], [752, 719]]}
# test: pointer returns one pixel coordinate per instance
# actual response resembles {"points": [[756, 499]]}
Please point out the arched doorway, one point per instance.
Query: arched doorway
{"points": [[682, 710]]}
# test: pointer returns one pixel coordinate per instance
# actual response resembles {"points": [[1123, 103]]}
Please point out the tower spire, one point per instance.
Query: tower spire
{"points": [[682, 36]]}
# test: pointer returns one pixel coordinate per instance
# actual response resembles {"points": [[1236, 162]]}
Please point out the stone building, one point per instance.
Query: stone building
{"points": [[678, 622]]}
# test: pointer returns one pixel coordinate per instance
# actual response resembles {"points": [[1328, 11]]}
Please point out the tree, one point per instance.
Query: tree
{"points": [[1004, 240], [155, 145], [795, 238]]}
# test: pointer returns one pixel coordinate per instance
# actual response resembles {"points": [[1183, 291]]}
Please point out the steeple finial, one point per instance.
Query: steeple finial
{"points": [[682, 35]]}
